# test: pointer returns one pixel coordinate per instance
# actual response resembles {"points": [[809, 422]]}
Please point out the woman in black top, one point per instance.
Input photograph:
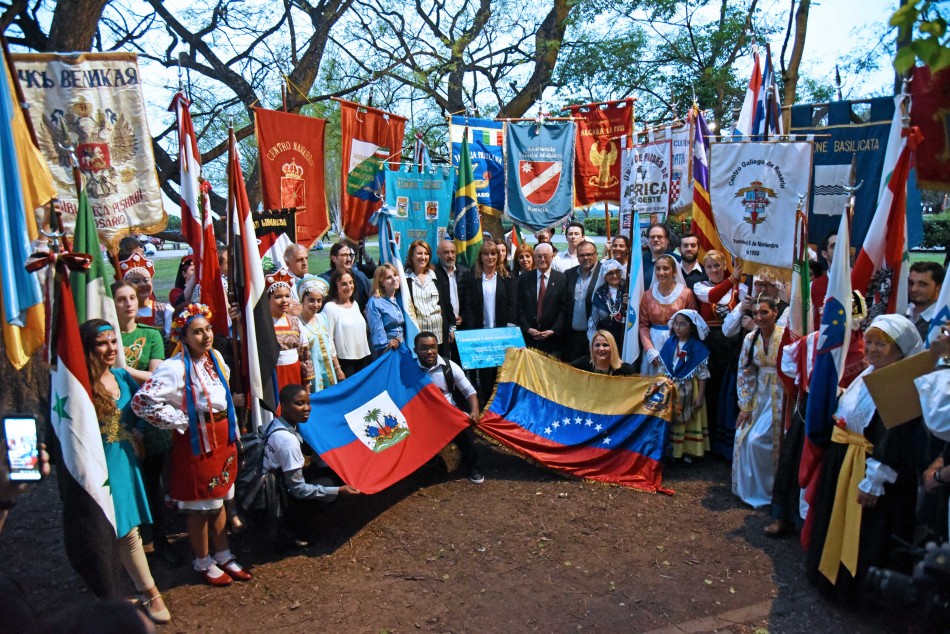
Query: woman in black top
{"points": [[604, 357]]}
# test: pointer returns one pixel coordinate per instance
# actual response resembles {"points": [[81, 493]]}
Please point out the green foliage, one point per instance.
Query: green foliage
{"points": [[930, 44], [936, 233], [598, 227]]}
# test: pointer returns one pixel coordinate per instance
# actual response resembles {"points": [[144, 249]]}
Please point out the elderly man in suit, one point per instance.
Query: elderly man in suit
{"points": [[542, 303], [581, 281]]}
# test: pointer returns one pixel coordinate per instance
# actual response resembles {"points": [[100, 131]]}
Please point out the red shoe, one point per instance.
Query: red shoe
{"points": [[234, 569], [219, 581]]}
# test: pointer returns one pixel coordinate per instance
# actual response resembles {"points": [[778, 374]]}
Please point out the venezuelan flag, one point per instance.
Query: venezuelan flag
{"points": [[467, 231], [605, 428]]}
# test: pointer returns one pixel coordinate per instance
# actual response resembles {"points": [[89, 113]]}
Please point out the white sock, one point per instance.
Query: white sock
{"points": [[223, 557], [205, 564]]}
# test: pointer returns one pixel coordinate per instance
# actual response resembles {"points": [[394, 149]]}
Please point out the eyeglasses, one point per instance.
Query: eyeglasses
{"points": [[345, 256]]}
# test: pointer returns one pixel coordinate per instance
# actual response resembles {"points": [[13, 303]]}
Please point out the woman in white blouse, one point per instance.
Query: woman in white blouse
{"points": [[429, 290], [347, 323]]}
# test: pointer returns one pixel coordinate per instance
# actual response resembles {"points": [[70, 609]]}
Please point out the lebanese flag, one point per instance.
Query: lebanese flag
{"points": [[196, 218], [89, 525], [256, 335], [881, 268], [383, 423]]}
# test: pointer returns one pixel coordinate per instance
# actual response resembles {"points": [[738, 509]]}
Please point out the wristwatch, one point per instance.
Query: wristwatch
{"points": [[937, 478]]}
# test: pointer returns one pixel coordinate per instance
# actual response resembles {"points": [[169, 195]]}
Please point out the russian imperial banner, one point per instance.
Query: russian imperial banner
{"points": [[837, 144], [292, 170], [602, 129], [371, 137], [931, 113], [93, 102], [754, 191], [420, 204], [646, 183], [540, 173], [486, 144], [681, 178]]}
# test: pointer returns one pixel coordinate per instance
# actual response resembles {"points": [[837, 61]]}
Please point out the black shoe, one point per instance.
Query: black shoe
{"points": [[475, 476]]}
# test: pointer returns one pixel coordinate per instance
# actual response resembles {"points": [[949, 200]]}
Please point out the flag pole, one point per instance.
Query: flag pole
{"points": [[240, 333]]}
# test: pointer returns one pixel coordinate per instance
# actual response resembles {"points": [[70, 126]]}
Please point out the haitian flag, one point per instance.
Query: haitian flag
{"points": [[419, 203], [598, 427], [540, 173], [602, 133], [384, 423], [291, 158]]}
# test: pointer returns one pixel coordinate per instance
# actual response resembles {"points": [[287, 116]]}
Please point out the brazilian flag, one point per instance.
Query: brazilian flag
{"points": [[467, 227]]}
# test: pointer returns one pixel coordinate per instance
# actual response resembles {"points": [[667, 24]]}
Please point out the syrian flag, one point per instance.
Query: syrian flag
{"points": [[834, 338], [90, 288], [390, 253], [631, 338], [196, 218], [89, 524], [882, 265], [258, 342], [747, 114]]}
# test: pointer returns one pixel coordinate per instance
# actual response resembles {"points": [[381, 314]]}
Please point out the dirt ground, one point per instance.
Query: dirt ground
{"points": [[527, 551]]}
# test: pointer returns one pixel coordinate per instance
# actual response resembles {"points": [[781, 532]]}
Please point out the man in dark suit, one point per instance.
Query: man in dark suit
{"points": [[542, 302], [458, 280], [581, 281]]}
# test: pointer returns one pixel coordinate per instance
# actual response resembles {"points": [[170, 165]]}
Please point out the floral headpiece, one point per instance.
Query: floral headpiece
{"points": [[276, 280], [185, 317], [136, 263]]}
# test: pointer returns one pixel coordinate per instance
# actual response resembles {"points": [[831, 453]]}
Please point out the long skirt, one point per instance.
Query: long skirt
{"points": [[754, 457]]}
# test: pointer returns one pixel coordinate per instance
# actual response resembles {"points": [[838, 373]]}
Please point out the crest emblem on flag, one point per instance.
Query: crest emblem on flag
{"points": [[539, 180], [833, 327], [293, 191], [755, 199], [604, 159], [378, 423]]}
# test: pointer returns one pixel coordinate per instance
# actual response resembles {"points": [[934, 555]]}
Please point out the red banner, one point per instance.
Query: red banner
{"points": [[930, 95], [292, 171], [601, 128], [370, 138]]}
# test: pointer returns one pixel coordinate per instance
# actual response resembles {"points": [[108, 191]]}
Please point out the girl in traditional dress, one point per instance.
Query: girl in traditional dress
{"points": [[715, 299], [685, 360], [383, 312], [867, 491], [293, 361], [347, 323], [189, 394], [759, 426], [139, 271], [326, 367], [112, 391], [667, 294], [609, 303]]}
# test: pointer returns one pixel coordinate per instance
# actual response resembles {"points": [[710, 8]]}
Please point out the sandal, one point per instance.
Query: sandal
{"points": [[159, 616], [235, 571]]}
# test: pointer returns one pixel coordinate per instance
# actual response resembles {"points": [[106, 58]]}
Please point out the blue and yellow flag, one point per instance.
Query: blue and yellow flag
{"points": [[605, 428], [467, 227]]}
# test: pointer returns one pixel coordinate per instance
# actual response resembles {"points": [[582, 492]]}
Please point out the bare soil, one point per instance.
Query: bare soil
{"points": [[527, 551]]}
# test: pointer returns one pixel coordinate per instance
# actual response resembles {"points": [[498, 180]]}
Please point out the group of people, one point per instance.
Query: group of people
{"points": [[169, 423]]}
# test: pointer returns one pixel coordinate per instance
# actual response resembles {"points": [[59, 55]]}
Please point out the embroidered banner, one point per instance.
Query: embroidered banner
{"points": [[93, 103], [931, 113], [602, 132], [292, 172], [486, 143], [754, 193], [646, 183], [420, 204], [681, 177], [540, 173]]}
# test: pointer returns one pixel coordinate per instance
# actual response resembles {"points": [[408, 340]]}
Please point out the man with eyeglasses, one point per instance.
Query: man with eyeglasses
{"points": [[542, 303], [658, 241], [342, 256], [581, 281]]}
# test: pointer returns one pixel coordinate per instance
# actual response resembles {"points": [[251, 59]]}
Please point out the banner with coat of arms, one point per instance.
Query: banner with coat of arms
{"points": [[602, 133], [646, 184], [93, 102], [540, 173], [486, 144], [420, 204], [292, 172], [754, 189]]}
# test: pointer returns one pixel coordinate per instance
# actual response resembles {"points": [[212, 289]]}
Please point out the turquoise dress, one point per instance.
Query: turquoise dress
{"points": [[125, 474]]}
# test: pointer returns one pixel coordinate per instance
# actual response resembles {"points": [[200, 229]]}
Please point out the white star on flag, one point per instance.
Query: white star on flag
{"points": [[598, 427], [589, 422], [547, 430], [577, 421], [566, 421], [526, 168], [555, 424], [607, 440]]}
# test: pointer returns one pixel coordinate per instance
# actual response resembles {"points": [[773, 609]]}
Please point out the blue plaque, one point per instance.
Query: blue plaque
{"points": [[486, 348]]}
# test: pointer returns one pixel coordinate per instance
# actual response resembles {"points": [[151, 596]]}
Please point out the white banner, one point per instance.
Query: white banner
{"points": [[754, 189], [93, 102], [681, 177], [645, 184]]}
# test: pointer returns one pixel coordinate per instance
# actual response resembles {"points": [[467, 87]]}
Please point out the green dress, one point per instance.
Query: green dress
{"points": [[141, 346], [125, 475]]}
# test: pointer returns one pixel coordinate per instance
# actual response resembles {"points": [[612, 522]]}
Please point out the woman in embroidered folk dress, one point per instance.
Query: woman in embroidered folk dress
{"points": [[609, 303], [139, 271], [347, 323], [851, 533], [759, 425], [715, 299], [112, 391], [189, 394], [667, 294], [326, 366], [384, 314], [293, 362], [685, 360]]}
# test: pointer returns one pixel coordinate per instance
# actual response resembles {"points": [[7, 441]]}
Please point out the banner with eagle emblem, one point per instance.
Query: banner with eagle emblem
{"points": [[603, 131], [92, 104], [540, 173]]}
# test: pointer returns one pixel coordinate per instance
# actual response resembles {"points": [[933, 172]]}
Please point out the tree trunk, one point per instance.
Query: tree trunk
{"points": [[790, 73], [74, 24]]}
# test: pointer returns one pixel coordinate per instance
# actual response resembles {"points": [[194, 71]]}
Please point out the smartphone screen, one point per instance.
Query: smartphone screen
{"points": [[23, 454]]}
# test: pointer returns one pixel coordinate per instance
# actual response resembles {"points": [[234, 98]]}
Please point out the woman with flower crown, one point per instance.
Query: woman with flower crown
{"points": [[312, 290], [188, 394], [293, 362]]}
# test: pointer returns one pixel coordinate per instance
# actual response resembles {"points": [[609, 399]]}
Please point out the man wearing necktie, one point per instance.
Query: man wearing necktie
{"points": [[542, 302]]}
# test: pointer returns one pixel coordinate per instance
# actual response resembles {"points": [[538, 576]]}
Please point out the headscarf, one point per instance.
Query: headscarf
{"points": [[311, 283], [677, 277], [901, 330], [682, 363], [701, 328]]}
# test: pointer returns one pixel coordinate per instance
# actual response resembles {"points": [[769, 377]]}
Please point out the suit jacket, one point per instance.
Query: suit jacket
{"points": [[572, 276], [554, 314], [474, 315], [463, 282]]}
